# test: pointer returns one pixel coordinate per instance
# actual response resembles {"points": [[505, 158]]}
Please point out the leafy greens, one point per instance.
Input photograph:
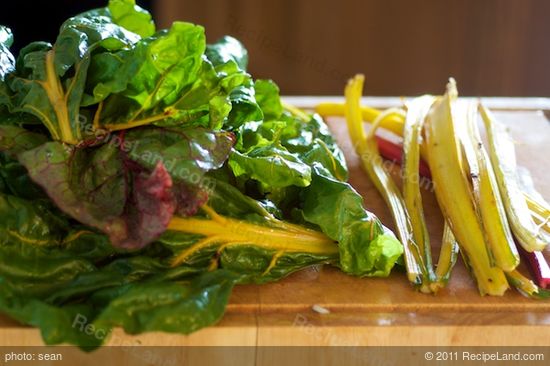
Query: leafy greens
{"points": [[144, 174]]}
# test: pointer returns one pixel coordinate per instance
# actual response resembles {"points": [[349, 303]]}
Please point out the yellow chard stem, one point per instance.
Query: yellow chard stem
{"points": [[503, 158], [540, 212], [393, 122], [226, 231], [57, 98], [416, 114], [367, 150], [487, 199], [139, 122], [447, 258], [454, 195], [296, 112]]}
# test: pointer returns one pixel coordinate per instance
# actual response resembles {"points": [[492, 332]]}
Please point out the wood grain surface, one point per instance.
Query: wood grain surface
{"points": [[369, 311]]}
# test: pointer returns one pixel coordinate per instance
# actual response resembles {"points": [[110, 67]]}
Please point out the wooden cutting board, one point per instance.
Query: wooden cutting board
{"points": [[375, 311]]}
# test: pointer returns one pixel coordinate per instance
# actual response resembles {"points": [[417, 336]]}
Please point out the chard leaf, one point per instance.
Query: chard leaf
{"points": [[38, 282], [95, 187], [207, 102], [143, 82], [257, 264], [55, 323], [267, 95], [170, 307], [132, 17], [28, 223], [280, 153], [220, 94], [15, 140], [313, 142], [243, 107], [329, 157], [228, 200], [14, 180], [42, 84], [227, 49], [149, 211], [272, 166], [186, 153], [367, 248], [88, 184]]}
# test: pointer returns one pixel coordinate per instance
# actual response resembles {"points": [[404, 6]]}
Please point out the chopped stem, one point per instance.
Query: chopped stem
{"points": [[416, 114], [525, 285], [447, 258], [486, 195], [367, 149], [502, 156], [454, 195], [539, 267]]}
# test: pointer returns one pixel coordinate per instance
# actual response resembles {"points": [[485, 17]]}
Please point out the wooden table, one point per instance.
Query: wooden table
{"points": [[376, 311]]}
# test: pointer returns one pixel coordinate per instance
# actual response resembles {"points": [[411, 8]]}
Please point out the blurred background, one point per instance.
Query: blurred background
{"points": [[404, 47]]}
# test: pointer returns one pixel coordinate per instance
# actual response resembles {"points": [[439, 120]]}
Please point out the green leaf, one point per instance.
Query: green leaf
{"points": [[267, 95], [314, 143], [327, 156], [367, 248], [117, 299], [260, 144], [55, 323], [243, 107], [43, 85], [143, 82], [228, 200], [15, 140], [219, 94], [187, 153], [207, 102], [170, 307], [227, 49], [132, 17], [116, 274], [272, 166], [27, 222], [14, 180]]}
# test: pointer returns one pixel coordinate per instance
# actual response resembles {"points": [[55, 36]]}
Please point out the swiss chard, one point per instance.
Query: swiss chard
{"points": [[144, 173], [148, 78]]}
